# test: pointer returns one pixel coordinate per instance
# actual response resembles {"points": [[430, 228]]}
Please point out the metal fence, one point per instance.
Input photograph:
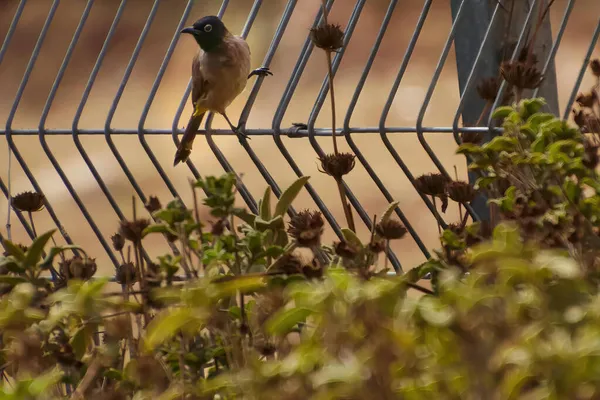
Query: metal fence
{"points": [[473, 36]]}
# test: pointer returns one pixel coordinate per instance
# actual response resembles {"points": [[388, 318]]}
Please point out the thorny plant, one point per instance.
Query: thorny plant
{"points": [[76, 337]]}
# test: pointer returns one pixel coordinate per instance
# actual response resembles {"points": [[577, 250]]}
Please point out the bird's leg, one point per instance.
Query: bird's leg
{"points": [[262, 71], [235, 129]]}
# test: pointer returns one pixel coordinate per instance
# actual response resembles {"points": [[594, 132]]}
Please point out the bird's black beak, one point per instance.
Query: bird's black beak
{"points": [[189, 30]]}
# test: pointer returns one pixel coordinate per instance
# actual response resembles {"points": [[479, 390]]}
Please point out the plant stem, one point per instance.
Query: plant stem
{"points": [[436, 220], [332, 97], [87, 380], [345, 206], [485, 110], [32, 224], [8, 227]]}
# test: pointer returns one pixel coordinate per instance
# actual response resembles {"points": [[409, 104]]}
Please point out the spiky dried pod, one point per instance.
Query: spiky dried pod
{"points": [[390, 229], [328, 37], [132, 230], [28, 201], [306, 228], [432, 184], [521, 75], [461, 192], [337, 165]]}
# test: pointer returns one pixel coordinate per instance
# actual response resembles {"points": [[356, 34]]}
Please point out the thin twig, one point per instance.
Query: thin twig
{"points": [[88, 379]]}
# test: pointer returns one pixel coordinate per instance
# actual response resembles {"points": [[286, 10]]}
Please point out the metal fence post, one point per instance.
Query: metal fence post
{"points": [[468, 40]]}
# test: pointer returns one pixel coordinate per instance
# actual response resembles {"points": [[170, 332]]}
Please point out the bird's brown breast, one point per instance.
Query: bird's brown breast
{"points": [[223, 74]]}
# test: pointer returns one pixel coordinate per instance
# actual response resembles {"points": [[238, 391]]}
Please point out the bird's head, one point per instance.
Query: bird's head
{"points": [[208, 31]]}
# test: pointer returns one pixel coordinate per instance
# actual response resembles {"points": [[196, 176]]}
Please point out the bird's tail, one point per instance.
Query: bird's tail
{"points": [[185, 146]]}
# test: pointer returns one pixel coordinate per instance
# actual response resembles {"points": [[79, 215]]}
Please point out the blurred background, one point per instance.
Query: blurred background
{"points": [[404, 111]]}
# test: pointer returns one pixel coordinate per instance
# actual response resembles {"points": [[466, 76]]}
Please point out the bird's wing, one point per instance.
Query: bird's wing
{"points": [[199, 84]]}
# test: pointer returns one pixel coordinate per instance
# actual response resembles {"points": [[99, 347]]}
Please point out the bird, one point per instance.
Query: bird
{"points": [[220, 71]]}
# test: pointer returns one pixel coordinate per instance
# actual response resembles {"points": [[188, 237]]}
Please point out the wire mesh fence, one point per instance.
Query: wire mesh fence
{"points": [[94, 96]]}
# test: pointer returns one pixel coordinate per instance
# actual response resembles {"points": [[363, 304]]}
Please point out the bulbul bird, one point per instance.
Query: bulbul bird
{"points": [[220, 71]]}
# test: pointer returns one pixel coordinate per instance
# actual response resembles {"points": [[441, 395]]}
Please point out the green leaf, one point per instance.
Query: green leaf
{"points": [[351, 237], [158, 228], [502, 112], [290, 195], [469, 148], [14, 250], [114, 374], [286, 319], [54, 251], [563, 267], [501, 143], [79, 342], [265, 207], [12, 280], [166, 325], [386, 215], [245, 216], [243, 283], [43, 383], [34, 252], [435, 312]]}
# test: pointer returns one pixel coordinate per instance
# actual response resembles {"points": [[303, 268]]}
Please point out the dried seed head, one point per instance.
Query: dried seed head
{"points": [[521, 75], [590, 155], [219, 227], [471, 137], [337, 165], [132, 230], [118, 241], [306, 228], [313, 271], [377, 246], [28, 201], [595, 67], [390, 229], [328, 37], [432, 184], [126, 274], [345, 249], [456, 228], [290, 264], [153, 204], [153, 275], [579, 118], [587, 99], [488, 88], [78, 268], [460, 191]]}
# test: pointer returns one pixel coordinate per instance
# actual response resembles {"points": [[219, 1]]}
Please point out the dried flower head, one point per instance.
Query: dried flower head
{"points": [[461, 192], [337, 165], [595, 67], [432, 184], [118, 241], [153, 204], [219, 227], [579, 118], [587, 99], [456, 228], [28, 201], [328, 37], [126, 274], [488, 88], [132, 230], [377, 246], [306, 228], [390, 229], [290, 264], [78, 268], [345, 249], [471, 137], [521, 75]]}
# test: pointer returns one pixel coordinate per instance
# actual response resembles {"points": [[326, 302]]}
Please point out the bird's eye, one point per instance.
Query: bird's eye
{"points": [[207, 28]]}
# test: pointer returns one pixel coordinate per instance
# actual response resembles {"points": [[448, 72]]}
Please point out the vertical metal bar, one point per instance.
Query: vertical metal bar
{"points": [[117, 98], [32, 60], [388, 105], [485, 64], [42, 133], [280, 112], [584, 67], [151, 96], [83, 102]]}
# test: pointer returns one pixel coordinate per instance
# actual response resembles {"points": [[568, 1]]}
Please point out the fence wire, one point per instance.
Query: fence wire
{"points": [[462, 16]]}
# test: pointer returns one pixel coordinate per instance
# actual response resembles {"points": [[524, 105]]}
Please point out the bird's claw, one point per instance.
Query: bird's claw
{"points": [[262, 71], [240, 134]]}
